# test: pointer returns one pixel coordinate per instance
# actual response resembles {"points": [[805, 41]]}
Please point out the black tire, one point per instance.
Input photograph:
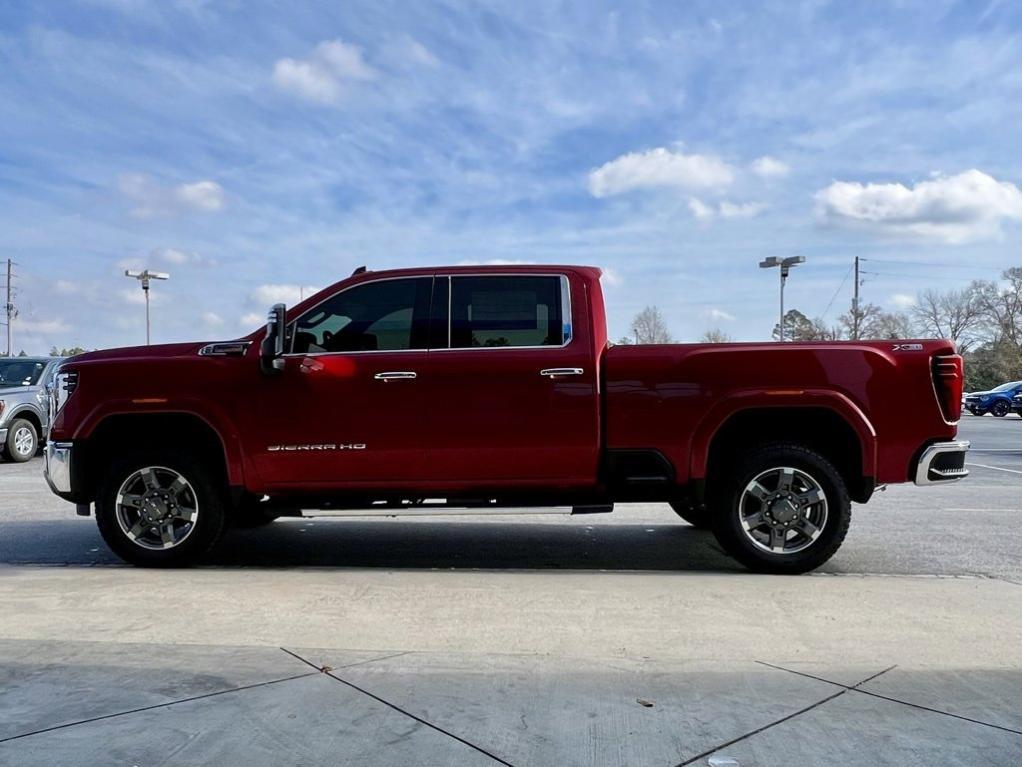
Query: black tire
{"points": [[21, 429], [697, 516], [1000, 409], [205, 488], [728, 494]]}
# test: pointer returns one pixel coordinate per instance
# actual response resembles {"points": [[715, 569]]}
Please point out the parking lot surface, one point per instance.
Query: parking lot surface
{"points": [[625, 639]]}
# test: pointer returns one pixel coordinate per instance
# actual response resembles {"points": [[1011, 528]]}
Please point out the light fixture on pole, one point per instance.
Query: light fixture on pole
{"points": [[144, 277], [785, 264]]}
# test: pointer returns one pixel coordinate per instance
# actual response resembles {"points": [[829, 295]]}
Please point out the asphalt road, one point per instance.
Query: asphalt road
{"points": [[621, 639], [973, 527]]}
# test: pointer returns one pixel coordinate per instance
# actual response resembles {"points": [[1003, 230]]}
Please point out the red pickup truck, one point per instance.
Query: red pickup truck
{"points": [[483, 388]]}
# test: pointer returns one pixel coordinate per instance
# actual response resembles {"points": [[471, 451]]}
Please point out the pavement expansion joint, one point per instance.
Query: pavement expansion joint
{"points": [[747, 735], [856, 688], [165, 704], [329, 672]]}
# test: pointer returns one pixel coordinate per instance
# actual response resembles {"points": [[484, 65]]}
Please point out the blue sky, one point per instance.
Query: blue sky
{"points": [[251, 148]]}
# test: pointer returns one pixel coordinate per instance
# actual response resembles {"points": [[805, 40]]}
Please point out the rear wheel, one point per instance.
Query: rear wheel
{"points": [[782, 509], [160, 509], [22, 441], [1000, 409]]}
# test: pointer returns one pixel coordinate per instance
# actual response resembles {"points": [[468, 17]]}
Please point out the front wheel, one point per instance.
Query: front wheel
{"points": [[782, 509], [1000, 409], [22, 441], [160, 509]]}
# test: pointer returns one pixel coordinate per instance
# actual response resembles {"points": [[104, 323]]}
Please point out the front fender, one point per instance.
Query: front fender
{"points": [[204, 410]]}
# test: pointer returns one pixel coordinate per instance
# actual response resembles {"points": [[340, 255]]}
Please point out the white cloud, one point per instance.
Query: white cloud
{"points": [[740, 209], [725, 209], [902, 300], [700, 209], [659, 168], [212, 319], [322, 76], [252, 320], [202, 195], [40, 326], [611, 277], [718, 315], [153, 199], [67, 287], [769, 167], [950, 209], [266, 295]]}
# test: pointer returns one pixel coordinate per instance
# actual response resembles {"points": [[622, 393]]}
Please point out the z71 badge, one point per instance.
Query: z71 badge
{"points": [[311, 448]]}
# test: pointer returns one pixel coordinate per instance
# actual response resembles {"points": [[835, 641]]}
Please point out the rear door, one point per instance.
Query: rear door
{"points": [[512, 385]]}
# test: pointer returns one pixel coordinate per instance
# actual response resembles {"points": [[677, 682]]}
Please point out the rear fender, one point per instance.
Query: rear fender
{"points": [[739, 401]]}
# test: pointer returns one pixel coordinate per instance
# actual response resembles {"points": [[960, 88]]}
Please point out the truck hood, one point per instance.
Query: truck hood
{"points": [[140, 353], [9, 391]]}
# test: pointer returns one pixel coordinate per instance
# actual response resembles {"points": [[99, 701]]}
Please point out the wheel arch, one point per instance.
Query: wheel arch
{"points": [[826, 422], [179, 429], [28, 413]]}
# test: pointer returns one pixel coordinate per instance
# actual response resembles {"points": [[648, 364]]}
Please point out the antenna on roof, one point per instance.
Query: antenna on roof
{"points": [[358, 270]]}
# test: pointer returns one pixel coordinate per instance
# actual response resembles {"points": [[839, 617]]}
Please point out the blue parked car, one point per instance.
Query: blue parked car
{"points": [[997, 401]]}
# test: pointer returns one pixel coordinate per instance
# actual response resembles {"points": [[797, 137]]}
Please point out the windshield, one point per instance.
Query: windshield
{"points": [[20, 372], [1008, 386]]}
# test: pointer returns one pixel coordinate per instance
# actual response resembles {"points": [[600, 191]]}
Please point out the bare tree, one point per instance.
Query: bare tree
{"points": [[1001, 307], [716, 336], [649, 327], [875, 323], [955, 315]]}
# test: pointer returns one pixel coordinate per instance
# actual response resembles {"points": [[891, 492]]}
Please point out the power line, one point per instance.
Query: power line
{"points": [[836, 292]]}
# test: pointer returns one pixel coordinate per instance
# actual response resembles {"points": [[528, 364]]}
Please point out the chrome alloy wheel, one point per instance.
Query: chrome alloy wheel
{"points": [[156, 508], [783, 510], [24, 441]]}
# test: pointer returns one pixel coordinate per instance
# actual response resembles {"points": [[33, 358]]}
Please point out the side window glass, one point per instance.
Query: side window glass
{"points": [[389, 315], [508, 311]]}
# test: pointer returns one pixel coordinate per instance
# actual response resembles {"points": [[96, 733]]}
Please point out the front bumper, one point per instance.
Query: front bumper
{"points": [[942, 462], [3, 436], [57, 467]]}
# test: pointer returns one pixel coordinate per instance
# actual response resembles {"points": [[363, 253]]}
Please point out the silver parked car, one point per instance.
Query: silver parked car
{"points": [[23, 410]]}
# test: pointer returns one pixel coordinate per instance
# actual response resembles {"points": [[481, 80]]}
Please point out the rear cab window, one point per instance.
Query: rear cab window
{"points": [[502, 311]]}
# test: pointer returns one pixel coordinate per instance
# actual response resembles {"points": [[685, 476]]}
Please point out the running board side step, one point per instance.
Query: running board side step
{"points": [[425, 510]]}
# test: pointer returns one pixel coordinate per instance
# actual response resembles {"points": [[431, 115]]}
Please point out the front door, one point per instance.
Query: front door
{"points": [[347, 410], [512, 386]]}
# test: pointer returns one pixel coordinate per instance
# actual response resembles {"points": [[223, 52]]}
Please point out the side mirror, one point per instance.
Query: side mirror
{"points": [[271, 353]]}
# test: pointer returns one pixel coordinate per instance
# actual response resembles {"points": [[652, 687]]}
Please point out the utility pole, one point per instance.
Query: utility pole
{"points": [[9, 308], [855, 304], [144, 277]]}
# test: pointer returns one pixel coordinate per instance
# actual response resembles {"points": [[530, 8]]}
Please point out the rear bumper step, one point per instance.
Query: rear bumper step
{"points": [[942, 462]]}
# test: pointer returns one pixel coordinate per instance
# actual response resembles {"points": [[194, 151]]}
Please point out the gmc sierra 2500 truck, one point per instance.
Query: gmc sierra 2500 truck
{"points": [[493, 387]]}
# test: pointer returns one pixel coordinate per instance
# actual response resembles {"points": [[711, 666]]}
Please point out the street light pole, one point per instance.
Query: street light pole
{"points": [[785, 264], [144, 277]]}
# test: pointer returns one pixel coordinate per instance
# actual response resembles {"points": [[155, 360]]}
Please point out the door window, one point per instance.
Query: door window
{"points": [[389, 315], [509, 311]]}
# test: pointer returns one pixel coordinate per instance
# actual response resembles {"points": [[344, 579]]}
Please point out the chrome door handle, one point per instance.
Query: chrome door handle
{"points": [[395, 375], [556, 372]]}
